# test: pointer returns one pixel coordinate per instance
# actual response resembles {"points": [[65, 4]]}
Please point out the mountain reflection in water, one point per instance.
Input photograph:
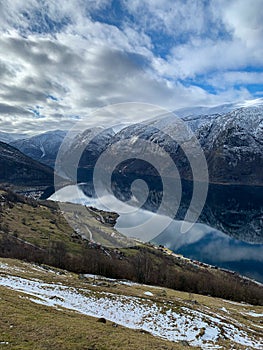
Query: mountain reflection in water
{"points": [[201, 242]]}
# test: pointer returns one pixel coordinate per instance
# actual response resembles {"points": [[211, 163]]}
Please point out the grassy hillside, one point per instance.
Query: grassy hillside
{"points": [[37, 231], [33, 326], [54, 313]]}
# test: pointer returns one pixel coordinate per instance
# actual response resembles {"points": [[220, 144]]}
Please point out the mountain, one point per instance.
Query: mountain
{"points": [[10, 137], [233, 147], [203, 110], [232, 143], [85, 148], [18, 169], [218, 109], [43, 147]]}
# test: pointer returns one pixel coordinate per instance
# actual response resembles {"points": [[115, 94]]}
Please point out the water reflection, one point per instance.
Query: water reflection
{"points": [[201, 242]]}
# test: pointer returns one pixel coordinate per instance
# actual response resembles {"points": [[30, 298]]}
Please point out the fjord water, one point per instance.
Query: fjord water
{"points": [[201, 242]]}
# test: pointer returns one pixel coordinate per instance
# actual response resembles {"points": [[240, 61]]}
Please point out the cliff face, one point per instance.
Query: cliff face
{"points": [[233, 144]]}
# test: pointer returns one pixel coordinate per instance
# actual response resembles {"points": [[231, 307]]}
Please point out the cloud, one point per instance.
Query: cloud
{"points": [[244, 18], [175, 18], [8, 109], [236, 77], [90, 54], [80, 79]]}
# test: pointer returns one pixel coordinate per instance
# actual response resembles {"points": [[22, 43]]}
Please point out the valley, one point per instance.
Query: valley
{"points": [[77, 252], [131, 175]]}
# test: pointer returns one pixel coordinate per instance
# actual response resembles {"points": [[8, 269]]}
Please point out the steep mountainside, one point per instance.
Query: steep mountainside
{"points": [[218, 109], [232, 143], [18, 169], [231, 139], [87, 145], [233, 146], [43, 147]]}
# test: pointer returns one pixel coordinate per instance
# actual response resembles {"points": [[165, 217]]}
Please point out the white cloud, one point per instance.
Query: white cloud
{"points": [[244, 17], [234, 77], [173, 17], [56, 60]]}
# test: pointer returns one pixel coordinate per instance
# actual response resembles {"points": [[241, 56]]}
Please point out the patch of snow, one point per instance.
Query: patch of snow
{"points": [[149, 294], [4, 266], [224, 309], [235, 302], [256, 325], [134, 312], [254, 314], [113, 280], [249, 103], [42, 150]]}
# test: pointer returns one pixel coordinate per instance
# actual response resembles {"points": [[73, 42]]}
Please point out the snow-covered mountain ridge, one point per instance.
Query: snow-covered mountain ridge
{"points": [[231, 136], [232, 143]]}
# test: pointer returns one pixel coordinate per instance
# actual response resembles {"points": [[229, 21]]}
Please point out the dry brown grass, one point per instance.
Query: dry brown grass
{"points": [[27, 326]]}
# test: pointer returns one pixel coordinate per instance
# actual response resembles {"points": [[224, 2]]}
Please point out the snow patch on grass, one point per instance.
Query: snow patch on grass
{"points": [[196, 327]]}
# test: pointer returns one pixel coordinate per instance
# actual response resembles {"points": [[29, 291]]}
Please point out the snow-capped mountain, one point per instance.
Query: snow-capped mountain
{"points": [[233, 146], [232, 143], [218, 109], [203, 110], [43, 147], [85, 148]]}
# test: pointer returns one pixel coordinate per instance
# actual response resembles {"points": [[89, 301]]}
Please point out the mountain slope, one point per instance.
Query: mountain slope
{"points": [[85, 148], [233, 146], [18, 169], [218, 109], [232, 143], [27, 325], [43, 147]]}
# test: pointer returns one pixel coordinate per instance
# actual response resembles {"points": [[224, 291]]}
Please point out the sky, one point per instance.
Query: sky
{"points": [[62, 59]]}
